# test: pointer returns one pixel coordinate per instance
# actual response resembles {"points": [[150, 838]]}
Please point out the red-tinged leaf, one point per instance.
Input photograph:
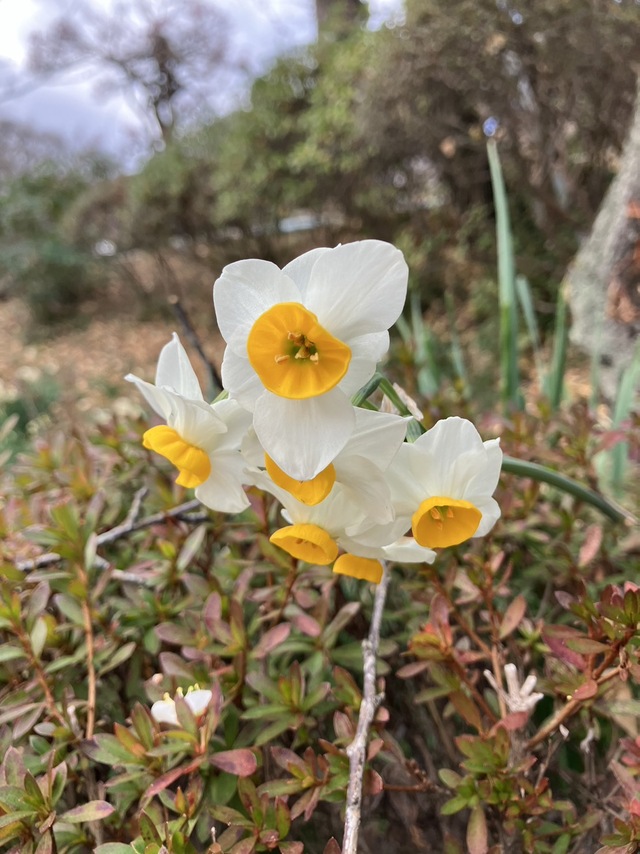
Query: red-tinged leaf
{"points": [[587, 646], [512, 721], [412, 669], [128, 740], [227, 815], [167, 779], [174, 665], [513, 616], [343, 726], [91, 811], [556, 639], [241, 762], [372, 783], [245, 846], [341, 620], [285, 759], [269, 838], [591, 545], [106, 748], [332, 847], [45, 846], [477, 837], [13, 767], [291, 847], [306, 804], [466, 708], [375, 747], [587, 690], [564, 599], [307, 625], [439, 611], [271, 640]]}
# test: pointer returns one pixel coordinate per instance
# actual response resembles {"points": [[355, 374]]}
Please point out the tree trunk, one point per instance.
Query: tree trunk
{"points": [[604, 279]]}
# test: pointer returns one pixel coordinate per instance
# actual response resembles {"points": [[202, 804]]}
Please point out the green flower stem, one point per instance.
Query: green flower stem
{"points": [[535, 471]]}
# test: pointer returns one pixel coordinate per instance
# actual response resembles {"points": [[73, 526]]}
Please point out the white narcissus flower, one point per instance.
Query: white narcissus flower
{"points": [[319, 532], [164, 711], [358, 468], [302, 340], [202, 440], [444, 482]]}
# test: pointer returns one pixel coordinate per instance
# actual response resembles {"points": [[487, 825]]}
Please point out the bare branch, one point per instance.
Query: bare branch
{"points": [[357, 750]]}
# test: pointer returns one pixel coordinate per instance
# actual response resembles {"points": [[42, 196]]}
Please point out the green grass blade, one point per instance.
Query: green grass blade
{"points": [[457, 355], [535, 471], [510, 381], [525, 299], [554, 380]]}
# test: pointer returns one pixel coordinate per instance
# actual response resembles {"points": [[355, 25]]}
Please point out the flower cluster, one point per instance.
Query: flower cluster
{"points": [[301, 342]]}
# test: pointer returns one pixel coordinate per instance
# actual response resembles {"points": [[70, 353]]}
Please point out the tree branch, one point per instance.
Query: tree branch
{"points": [[357, 750]]}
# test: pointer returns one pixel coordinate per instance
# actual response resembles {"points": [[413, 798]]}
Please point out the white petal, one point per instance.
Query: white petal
{"points": [[252, 450], [223, 490], [490, 510], [164, 712], [198, 700], [176, 372], [299, 270], [158, 399], [195, 421], [244, 291], [303, 436], [407, 550], [488, 480], [365, 485], [405, 482], [377, 436], [237, 421], [451, 448], [358, 288], [240, 380], [366, 352]]}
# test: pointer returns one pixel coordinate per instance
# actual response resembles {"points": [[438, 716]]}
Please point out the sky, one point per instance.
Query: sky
{"points": [[74, 108]]}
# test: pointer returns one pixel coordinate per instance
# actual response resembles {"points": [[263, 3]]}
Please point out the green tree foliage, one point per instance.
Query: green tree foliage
{"points": [[41, 265]]}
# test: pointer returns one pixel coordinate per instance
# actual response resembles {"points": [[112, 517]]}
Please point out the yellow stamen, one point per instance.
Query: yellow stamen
{"points": [[306, 542], [309, 492], [193, 463], [363, 568], [440, 522], [284, 341]]}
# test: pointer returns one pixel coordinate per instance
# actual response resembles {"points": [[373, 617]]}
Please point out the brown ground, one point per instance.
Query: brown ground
{"points": [[88, 358]]}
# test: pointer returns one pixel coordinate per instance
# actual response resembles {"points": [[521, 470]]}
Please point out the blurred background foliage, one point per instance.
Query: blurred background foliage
{"points": [[378, 133]]}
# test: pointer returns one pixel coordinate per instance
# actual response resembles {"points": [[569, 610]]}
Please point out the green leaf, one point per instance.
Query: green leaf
{"points": [[535, 471], [510, 380], [106, 748], [119, 657], [114, 848], [454, 805], [10, 653]]}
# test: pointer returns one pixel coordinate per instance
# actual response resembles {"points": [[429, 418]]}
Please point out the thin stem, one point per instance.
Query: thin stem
{"points": [[357, 750], [569, 709], [91, 671]]}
